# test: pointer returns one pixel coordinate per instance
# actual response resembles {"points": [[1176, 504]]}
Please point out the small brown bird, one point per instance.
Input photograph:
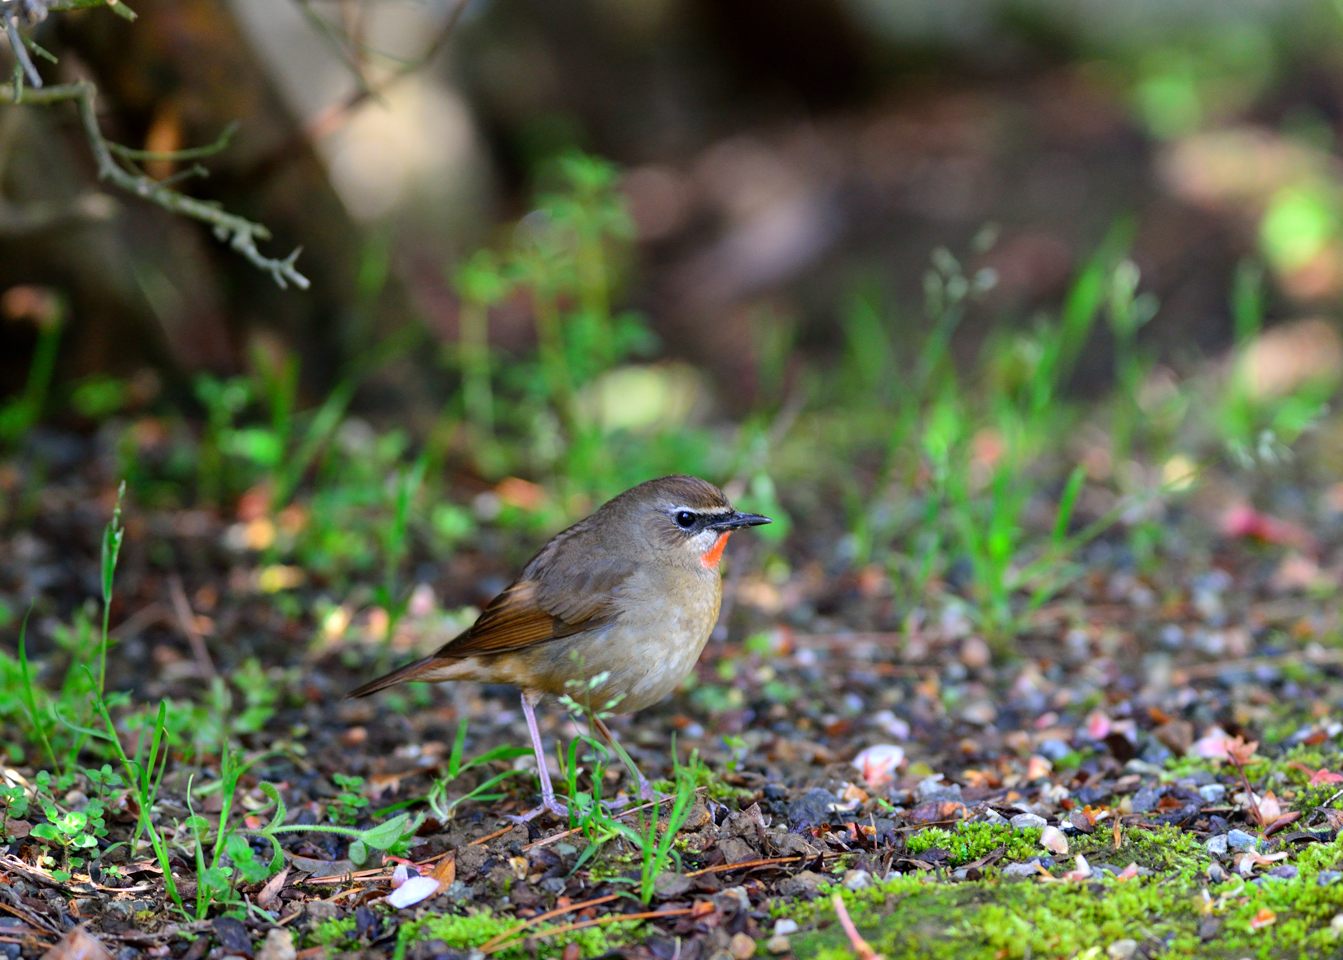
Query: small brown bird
{"points": [[614, 611]]}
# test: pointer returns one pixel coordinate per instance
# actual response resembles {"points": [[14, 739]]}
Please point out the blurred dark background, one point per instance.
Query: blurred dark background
{"points": [[776, 158]]}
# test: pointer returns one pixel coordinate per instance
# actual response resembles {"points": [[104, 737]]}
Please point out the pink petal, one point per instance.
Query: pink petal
{"points": [[1098, 725], [1212, 746]]}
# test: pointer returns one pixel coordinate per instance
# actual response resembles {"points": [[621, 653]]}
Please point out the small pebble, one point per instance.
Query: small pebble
{"points": [[857, 879], [1122, 949], [1239, 840], [741, 946], [932, 789], [784, 927], [1053, 749], [778, 944], [811, 809], [1171, 636], [1327, 877], [1024, 820], [1217, 846], [1028, 869], [279, 945], [1212, 792], [975, 653], [1053, 840], [1147, 798]]}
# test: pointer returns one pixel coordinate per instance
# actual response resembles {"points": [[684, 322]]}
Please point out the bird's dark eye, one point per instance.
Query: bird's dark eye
{"points": [[685, 519]]}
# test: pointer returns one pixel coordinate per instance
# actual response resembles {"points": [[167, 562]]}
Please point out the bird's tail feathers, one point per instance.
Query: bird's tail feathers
{"points": [[429, 668]]}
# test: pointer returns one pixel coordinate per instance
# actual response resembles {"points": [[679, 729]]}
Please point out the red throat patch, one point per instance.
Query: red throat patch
{"points": [[715, 553]]}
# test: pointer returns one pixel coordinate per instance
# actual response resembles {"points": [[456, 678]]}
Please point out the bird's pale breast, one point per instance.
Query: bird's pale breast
{"points": [[639, 656]]}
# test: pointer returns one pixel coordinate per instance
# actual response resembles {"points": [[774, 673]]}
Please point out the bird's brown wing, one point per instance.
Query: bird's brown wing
{"points": [[569, 587]]}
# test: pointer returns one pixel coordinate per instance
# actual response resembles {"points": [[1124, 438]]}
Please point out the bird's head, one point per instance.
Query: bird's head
{"points": [[686, 518]]}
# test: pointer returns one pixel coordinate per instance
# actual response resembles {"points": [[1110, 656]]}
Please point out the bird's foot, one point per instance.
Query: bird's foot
{"points": [[547, 805]]}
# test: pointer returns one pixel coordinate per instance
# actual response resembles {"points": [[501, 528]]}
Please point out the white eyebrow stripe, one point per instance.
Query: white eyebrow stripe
{"points": [[704, 511]]}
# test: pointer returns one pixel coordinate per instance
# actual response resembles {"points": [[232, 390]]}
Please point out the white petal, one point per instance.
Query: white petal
{"points": [[412, 892]]}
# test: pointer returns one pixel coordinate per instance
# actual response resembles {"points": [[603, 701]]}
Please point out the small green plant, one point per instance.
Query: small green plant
{"points": [[70, 834], [349, 805], [481, 282], [1257, 429], [216, 879], [565, 260], [444, 806], [394, 835], [113, 534], [1128, 312], [655, 848], [13, 804]]}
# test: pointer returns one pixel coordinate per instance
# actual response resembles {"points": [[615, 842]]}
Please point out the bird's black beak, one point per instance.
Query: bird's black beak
{"points": [[734, 520]]}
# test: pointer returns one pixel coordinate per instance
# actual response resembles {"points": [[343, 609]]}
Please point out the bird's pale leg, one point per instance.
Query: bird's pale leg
{"points": [[548, 801], [646, 791]]}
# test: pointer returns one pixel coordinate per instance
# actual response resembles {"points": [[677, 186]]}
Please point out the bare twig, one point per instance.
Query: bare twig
{"points": [[176, 156], [239, 233], [512, 932], [64, 6], [20, 51]]}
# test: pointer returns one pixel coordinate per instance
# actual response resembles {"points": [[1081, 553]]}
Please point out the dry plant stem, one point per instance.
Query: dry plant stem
{"points": [[512, 932], [241, 234], [1249, 792]]}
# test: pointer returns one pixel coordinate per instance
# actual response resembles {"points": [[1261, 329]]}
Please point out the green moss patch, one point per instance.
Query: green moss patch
{"points": [[1171, 912]]}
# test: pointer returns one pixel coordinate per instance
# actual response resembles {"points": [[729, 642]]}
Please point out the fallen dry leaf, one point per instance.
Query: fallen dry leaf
{"points": [[446, 871], [272, 889]]}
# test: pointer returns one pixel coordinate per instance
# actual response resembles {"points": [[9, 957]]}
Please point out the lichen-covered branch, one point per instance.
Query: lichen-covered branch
{"points": [[241, 234]]}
